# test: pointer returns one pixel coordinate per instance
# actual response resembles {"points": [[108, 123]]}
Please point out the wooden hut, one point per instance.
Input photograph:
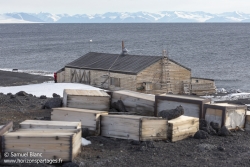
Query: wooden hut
{"points": [[145, 74]]}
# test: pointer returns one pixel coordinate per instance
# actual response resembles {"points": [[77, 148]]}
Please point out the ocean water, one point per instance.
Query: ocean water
{"points": [[220, 51]]}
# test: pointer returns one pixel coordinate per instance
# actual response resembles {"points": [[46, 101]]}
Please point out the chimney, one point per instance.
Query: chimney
{"points": [[122, 45], [124, 50]]}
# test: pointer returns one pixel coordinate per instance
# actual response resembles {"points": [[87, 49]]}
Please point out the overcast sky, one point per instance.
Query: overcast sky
{"points": [[103, 6]]}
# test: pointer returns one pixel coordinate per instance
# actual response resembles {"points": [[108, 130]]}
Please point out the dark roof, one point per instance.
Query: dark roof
{"points": [[131, 64]]}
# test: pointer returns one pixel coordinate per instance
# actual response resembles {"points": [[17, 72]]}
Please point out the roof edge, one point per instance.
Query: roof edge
{"points": [[115, 71], [202, 78], [180, 64]]}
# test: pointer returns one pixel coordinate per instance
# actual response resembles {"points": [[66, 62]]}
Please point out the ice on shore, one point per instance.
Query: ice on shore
{"points": [[46, 89]]}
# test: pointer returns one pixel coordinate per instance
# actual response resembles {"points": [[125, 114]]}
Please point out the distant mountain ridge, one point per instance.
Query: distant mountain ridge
{"points": [[126, 17]]}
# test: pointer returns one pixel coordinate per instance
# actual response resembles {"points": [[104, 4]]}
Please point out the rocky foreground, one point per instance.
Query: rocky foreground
{"points": [[214, 150]]}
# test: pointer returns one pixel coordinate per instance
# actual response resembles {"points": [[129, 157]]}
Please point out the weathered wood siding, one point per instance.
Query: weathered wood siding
{"points": [[134, 127], [86, 99], [72, 75], [37, 124], [247, 126], [67, 75], [65, 145], [140, 103], [127, 81], [172, 72], [61, 77], [202, 86], [182, 127], [89, 118]]}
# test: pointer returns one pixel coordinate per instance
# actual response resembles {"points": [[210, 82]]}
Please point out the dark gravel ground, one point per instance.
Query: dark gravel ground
{"points": [[216, 151]]}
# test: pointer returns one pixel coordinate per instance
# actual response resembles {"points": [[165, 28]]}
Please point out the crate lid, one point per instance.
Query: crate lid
{"points": [[136, 94], [79, 110], [227, 105], [81, 92], [132, 117], [183, 118], [72, 125], [185, 97]]}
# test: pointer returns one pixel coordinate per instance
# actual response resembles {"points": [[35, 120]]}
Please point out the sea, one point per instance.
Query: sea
{"points": [[219, 51]]}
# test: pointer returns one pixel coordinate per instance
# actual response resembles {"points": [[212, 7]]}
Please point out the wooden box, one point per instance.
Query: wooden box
{"points": [[230, 115], [50, 143], [192, 105], [247, 125], [86, 99], [140, 103], [182, 127], [89, 118], [134, 127], [37, 124]]}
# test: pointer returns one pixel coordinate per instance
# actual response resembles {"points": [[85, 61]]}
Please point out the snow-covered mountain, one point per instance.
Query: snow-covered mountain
{"points": [[125, 17]]}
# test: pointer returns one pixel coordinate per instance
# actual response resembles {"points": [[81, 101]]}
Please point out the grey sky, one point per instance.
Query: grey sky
{"points": [[103, 6]]}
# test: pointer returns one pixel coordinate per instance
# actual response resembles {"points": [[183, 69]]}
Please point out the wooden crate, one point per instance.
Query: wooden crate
{"points": [[140, 103], [37, 124], [140, 128], [4, 129], [182, 127], [89, 118], [247, 126], [230, 115], [51, 143], [192, 105], [86, 99]]}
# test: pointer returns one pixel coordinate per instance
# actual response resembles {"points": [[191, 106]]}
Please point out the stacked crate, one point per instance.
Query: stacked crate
{"points": [[140, 128], [182, 127], [247, 126], [46, 139], [135, 102], [86, 99], [89, 118], [230, 115]]}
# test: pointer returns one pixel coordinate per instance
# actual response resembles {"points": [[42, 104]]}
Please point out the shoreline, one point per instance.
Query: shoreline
{"points": [[9, 78]]}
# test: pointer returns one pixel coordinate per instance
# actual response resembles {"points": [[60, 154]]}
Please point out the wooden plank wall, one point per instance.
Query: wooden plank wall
{"points": [[182, 127], [177, 75], [67, 75], [61, 77], [247, 126], [203, 86], [127, 81], [72, 75], [141, 104]]}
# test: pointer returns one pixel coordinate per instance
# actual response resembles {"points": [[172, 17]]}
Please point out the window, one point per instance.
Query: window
{"points": [[115, 81], [197, 81]]}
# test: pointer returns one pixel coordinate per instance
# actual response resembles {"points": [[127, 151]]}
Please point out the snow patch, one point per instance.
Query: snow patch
{"points": [[46, 89], [85, 142]]}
